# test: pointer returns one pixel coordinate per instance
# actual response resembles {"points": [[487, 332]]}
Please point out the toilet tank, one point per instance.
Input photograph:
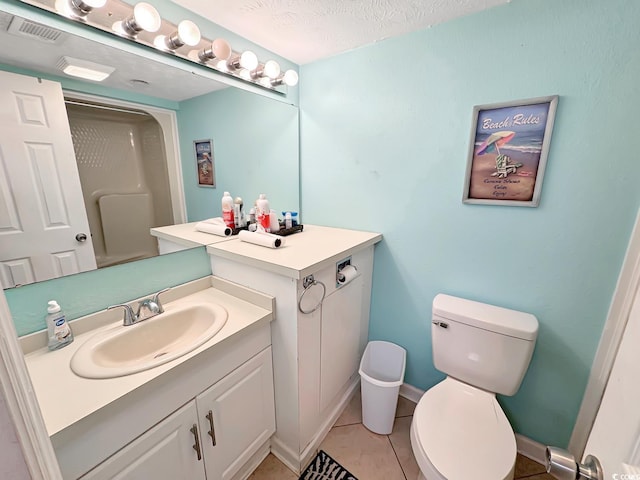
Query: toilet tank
{"points": [[483, 345]]}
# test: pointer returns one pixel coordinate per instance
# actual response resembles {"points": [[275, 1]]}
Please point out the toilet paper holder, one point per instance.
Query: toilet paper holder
{"points": [[341, 279], [563, 466]]}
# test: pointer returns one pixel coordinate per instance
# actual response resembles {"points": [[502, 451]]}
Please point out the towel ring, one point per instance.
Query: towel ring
{"points": [[309, 282]]}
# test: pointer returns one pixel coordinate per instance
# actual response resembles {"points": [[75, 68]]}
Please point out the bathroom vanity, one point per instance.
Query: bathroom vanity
{"points": [[274, 378], [208, 414], [315, 355]]}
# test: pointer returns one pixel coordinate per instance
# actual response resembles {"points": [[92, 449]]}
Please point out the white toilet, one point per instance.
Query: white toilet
{"points": [[459, 431]]}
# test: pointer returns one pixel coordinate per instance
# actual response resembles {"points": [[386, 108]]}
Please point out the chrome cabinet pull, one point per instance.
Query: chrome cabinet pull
{"points": [[196, 446], [211, 432]]}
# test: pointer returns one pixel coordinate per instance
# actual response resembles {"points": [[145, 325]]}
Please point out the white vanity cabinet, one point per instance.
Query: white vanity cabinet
{"points": [[165, 451], [236, 417], [212, 437], [315, 355], [138, 426]]}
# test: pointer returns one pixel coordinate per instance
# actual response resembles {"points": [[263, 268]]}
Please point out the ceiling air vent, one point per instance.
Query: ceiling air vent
{"points": [[37, 31]]}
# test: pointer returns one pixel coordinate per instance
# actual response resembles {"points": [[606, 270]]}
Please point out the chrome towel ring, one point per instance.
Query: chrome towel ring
{"points": [[308, 283]]}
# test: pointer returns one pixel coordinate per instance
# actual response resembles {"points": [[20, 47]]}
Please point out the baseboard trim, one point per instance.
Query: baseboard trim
{"points": [[411, 393], [285, 454], [531, 449]]}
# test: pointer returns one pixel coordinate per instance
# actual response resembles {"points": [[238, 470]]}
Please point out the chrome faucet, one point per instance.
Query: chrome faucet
{"points": [[147, 308]]}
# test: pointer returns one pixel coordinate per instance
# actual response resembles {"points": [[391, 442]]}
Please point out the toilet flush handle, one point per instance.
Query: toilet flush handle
{"points": [[441, 324]]}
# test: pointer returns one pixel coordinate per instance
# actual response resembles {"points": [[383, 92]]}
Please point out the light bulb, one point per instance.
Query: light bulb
{"points": [[290, 78], [222, 66], [188, 33], [271, 69], [144, 17], [77, 8], [147, 17], [83, 7], [219, 49], [248, 60], [265, 82], [64, 8], [245, 74], [160, 42]]}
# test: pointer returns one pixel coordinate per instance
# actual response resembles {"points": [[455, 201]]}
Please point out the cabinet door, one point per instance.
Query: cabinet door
{"points": [[163, 453], [237, 415], [340, 339]]}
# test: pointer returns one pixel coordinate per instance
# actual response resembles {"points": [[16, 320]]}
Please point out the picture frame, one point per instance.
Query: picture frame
{"points": [[205, 166], [508, 150]]}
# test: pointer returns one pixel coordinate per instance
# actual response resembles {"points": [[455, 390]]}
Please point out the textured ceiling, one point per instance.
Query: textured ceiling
{"points": [[307, 30]]}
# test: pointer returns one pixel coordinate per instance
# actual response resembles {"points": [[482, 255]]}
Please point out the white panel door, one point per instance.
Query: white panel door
{"points": [[166, 452], [615, 437], [237, 415], [41, 204]]}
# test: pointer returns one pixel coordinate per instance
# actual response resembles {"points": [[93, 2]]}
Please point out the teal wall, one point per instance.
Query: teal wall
{"points": [[90, 292], [384, 142], [255, 146]]}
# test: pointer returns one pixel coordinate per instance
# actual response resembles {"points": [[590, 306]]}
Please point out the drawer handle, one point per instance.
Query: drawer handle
{"points": [[212, 432], [196, 446]]}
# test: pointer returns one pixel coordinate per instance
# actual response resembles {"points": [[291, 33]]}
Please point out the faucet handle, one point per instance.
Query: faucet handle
{"points": [[156, 299], [129, 317]]}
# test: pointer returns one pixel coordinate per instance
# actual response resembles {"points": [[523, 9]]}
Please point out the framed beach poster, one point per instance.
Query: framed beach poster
{"points": [[508, 152], [204, 161]]}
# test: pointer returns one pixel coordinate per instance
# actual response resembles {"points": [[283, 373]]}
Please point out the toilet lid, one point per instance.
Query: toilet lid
{"points": [[464, 432]]}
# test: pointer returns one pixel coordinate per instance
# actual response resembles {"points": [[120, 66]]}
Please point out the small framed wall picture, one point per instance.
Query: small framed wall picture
{"points": [[205, 163], [508, 152]]}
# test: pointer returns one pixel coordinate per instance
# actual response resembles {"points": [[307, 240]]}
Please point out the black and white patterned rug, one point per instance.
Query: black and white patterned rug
{"points": [[323, 467]]}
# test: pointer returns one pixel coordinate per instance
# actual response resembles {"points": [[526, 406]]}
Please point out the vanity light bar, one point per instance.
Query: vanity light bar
{"points": [[142, 23]]}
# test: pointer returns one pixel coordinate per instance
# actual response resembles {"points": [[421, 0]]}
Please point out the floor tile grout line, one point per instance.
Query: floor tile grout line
{"points": [[397, 459]]}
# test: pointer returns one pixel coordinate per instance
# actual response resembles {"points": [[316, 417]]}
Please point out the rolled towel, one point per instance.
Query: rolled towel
{"points": [[214, 221], [261, 238], [214, 228]]}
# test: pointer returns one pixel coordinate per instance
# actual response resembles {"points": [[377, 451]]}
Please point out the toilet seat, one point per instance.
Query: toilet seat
{"points": [[460, 432]]}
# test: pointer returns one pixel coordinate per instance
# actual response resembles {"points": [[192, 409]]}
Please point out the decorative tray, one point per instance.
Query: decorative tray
{"points": [[283, 232]]}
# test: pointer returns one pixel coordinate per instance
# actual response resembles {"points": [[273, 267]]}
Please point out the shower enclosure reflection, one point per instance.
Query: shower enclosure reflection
{"points": [[123, 172]]}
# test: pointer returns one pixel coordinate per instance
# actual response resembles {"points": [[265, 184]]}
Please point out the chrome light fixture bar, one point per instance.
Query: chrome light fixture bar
{"points": [[141, 23]]}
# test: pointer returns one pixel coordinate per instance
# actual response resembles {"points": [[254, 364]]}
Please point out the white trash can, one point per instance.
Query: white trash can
{"points": [[381, 372]]}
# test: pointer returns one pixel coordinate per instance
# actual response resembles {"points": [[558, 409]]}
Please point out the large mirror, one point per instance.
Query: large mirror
{"points": [[130, 141]]}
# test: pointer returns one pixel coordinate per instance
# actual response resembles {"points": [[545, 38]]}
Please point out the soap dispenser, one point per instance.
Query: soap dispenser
{"points": [[58, 329]]}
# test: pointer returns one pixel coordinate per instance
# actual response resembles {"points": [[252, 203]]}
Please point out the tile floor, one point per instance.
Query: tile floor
{"points": [[369, 456]]}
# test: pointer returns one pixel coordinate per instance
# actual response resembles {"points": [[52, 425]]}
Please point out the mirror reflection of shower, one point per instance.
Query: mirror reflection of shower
{"points": [[123, 172]]}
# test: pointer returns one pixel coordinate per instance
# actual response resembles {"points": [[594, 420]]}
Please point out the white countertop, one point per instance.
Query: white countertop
{"points": [[66, 398], [302, 254], [187, 235]]}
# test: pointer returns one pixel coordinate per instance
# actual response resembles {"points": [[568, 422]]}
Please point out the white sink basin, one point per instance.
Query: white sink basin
{"points": [[119, 351]]}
